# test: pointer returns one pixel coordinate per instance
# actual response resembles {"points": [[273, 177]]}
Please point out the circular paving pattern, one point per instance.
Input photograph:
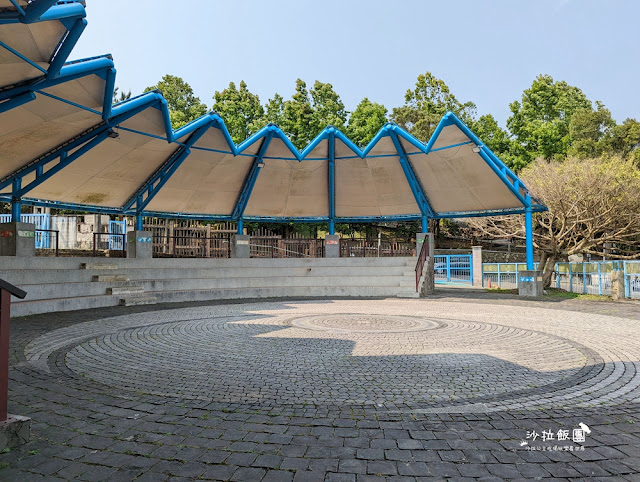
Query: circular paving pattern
{"points": [[435, 359], [408, 356], [361, 323]]}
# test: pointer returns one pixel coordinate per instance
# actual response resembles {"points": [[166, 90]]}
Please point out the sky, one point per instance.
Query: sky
{"points": [[487, 51]]}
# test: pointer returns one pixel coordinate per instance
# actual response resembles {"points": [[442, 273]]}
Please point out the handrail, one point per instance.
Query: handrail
{"points": [[6, 290], [422, 258], [57, 251], [14, 290]]}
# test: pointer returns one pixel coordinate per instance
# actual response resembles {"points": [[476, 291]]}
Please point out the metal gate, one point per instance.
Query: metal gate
{"points": [[454, 268], [116, 243]]}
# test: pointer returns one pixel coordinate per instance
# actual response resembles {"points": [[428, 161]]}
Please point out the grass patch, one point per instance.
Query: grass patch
{"points": [[567, 295], [503, 291], [554, 293]]}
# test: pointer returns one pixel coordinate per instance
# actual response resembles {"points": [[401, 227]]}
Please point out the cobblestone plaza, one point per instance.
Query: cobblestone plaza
{"points": [[463, 386]]}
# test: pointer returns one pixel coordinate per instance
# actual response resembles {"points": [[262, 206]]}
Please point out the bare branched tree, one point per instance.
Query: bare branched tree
{"points": [[594, 204]]}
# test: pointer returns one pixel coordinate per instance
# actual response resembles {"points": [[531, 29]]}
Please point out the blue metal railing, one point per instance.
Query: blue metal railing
{"points": [[632, 279], [453, 268], [593, 277]]}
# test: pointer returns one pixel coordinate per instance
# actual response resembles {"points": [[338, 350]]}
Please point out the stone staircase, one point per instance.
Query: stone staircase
{"points": [[130, 293]]}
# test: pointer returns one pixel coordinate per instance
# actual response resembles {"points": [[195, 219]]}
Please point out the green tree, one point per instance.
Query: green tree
{"points": [[120, 95], [328, 107], [184, 106], [298, 116], [307, 112], [540, 122], [425, 106], [593, 203], [240, 109], [496, 139], [624, 140], [366, 121], [273, 113], [589, 130]]}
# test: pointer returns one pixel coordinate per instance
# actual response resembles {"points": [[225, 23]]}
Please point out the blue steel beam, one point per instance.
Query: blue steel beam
{"points": [[145, 193], [35, 10], [65, 160], [414, 184], [109, 87], [89, 208], [65, 48], [69, 72], [121, 113], [17, 101], [332, 182], [70, 14], [252, 176]]}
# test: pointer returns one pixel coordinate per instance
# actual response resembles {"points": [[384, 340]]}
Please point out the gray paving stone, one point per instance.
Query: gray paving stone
{"points": [[219, 472], [278, 476], [354, 466], [276, 395], [248, 473], [381, 467], [412, 469]]}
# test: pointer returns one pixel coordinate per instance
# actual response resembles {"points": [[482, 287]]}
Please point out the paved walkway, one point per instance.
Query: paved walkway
{"points": [[465, 386]]}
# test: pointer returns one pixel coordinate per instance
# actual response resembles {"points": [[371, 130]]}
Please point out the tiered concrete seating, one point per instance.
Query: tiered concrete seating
{"points": [[63, 284]]}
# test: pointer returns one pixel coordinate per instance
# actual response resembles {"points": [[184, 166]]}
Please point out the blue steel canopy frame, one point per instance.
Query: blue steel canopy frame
{"points": [[72, 15]]}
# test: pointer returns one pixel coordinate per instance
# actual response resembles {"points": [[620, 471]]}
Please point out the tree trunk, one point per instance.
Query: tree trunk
{"points": [[548, 271]]}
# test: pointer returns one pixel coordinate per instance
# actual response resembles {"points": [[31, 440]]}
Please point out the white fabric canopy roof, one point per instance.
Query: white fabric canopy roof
{"points": [[138, 163]]}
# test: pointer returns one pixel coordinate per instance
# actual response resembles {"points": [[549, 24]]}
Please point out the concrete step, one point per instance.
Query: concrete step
{"points": [[138, 300], [26, 308], [274, 292], [408, 294], [110, 278], [40, 262], [75, 275], [125, 290], [269, 279], [61, 289], [98, 266]]}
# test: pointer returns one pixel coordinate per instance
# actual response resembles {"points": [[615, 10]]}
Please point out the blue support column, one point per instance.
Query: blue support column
{"points": [[16, 206], [425, 224], [414, 184], [240, 226], [528, 226], [250, 181], [65, 49], [139, 214], [332, 183]]}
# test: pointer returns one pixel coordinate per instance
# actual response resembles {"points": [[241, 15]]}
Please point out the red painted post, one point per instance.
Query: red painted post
{"points": [[5, 314]]}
